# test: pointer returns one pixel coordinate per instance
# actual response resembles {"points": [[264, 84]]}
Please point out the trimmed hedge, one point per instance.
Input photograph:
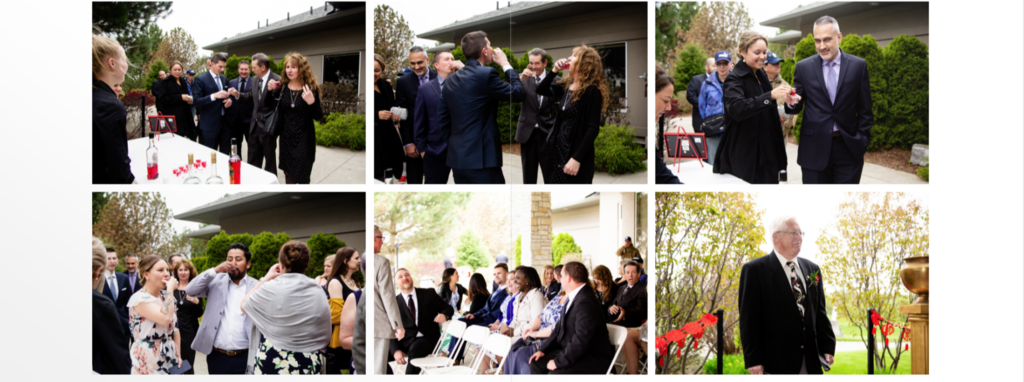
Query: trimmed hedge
{"points": [[265, 248], [320, 246], [560, 245], [344, 130], [617, 152], [690, 63], [231, 67]]}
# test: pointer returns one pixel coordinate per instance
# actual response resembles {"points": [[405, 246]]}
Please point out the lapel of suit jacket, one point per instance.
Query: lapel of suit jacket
{"points": [[821, 77], [435, 85], [779, 279], [843, 68], [807, 273]]}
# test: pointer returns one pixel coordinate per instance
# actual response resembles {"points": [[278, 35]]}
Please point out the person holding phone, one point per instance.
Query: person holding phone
{"points": [[582, 95], [153, 320], [299, 106]]}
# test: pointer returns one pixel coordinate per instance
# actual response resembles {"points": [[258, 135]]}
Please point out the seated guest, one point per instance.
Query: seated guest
{"points": [[507, 308], [530, 303], [422, 311], [290, 317], [492, 310], [516, 363], [551, 284], [450, 290], [477, 294], [643, 275], [629, 308], [604, 286], [579, 341], [109, 341]]}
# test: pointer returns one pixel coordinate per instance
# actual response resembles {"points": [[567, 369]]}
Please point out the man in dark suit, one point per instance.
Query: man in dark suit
{"points": [[240, 116], [579, 342], [158, 90], [211, 101], [629, 308], [783, 325], [693, 92], [426, 136], [422, 313], [536, 119], [131, 268], [261, 144], [118, 289], [467, 114], [405, 97], [837, 117]]}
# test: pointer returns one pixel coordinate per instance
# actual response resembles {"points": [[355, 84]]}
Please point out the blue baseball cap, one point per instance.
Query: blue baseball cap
{"points": [[191, 72], [772, 58], [404, 72], [722, 56]]}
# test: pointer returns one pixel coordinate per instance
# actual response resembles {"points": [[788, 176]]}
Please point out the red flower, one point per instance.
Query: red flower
{"points": [[708, 320], [694, 329], [694, 343], [661, 362], [679, 352]]}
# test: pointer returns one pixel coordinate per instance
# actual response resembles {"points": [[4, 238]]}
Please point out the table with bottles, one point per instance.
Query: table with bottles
{"points": [[690, 171], [173, 152]]}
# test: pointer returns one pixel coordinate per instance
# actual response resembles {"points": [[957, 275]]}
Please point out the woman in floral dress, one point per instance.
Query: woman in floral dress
{"points": [[523, 348], [152, 320]]}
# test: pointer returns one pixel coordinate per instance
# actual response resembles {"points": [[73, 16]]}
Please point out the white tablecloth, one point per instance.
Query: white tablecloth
{"points": [[173, 154], [691, 173]]}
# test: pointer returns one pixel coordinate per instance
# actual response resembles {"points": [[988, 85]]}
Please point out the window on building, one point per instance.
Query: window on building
{"points": [[342, 68], [613, 57]]}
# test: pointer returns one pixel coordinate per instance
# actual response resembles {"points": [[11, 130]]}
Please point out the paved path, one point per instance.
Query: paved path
{"points": [[513, 170], [333, 165]]}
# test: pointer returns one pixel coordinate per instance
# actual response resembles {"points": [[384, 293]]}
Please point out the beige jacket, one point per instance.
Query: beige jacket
{"points": [[528, 307]]}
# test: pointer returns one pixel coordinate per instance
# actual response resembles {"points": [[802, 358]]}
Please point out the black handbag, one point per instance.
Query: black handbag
{"points": [[270, 119], [713, 125]]}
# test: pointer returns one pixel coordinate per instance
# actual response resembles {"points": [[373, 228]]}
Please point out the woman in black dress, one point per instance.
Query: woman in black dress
{"points": [[341, 284], [752, 147], [450, 290], [110, 163], [477, 294], [178, 102], [582, 95], [189, 309], [299, 105], [388, 153]]}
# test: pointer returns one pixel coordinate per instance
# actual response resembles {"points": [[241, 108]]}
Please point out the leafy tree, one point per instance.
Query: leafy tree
{"points": [[133, 25], [691, 63], [470, 250], [417, 220], [392, 39], [265, 248], [718, 26], [177, 45], [562, 244], [99, 199], [217, 248], [321, 246], [154, 73], [140, 53], [672, 20], [487, 213], [519, 250], [702, 241], [136, 222], [864, 249]]}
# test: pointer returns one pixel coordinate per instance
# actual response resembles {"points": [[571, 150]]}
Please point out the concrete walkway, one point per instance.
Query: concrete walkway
{"points": [[872, 174], [333, 165], [513, 170]]}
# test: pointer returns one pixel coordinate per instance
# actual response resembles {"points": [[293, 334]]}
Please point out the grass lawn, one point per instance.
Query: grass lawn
{"points": [[851, 333], [851, 362]]}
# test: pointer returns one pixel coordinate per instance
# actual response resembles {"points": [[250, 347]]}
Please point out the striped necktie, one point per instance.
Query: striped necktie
{"points": [[798, 290]]}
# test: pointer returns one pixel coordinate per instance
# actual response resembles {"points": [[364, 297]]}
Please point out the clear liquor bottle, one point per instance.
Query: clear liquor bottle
{"points": [[214, 178], [191, 178]]}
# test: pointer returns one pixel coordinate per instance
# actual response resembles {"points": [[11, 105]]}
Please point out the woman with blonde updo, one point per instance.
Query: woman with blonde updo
{"points": [[110, 163], [109, 341], [298, 101], [290, 316]]}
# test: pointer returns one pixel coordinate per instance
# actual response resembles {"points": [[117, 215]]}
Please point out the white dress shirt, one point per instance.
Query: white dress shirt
{"points": [[416, 301], [231, 335], [572, 296], [263, 81], [799, 274]]}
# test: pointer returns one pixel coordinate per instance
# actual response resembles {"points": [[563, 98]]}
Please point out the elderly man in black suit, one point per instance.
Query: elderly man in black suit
{"points": [[405, 97], [261, 145], [783, 325], [468, 111], [837, 112], [579, 342], [426, 135], [536, 118], [422, 313], [693, 92], [629, 308]]}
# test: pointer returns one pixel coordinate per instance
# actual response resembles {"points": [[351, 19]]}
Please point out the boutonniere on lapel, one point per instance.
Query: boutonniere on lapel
{"points": [[814, 278]]}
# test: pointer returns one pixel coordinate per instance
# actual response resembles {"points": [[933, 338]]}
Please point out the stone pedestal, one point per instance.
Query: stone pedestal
{"points": [[918, 314]]}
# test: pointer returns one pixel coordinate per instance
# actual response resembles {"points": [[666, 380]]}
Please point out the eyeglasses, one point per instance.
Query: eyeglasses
{"points": [[801, 233], [379, 237]]}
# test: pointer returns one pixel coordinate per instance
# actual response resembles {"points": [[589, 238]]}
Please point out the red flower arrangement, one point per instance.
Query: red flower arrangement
{"points": [[887, 328], [693, 329]]}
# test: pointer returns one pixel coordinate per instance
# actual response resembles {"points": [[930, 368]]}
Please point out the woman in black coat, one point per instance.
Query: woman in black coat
{"points": [[752, 146], [110, 163], [477, 293], [450, 290], [298, 104], [178, 102], [581, 96], [388, 152]]}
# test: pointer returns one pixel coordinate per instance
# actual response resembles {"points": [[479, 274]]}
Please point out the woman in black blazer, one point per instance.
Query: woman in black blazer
{"points": [[110, 163], [388, 151], [752, 146], [109, 341], [450, 290], [178, 102], [581, 95], [478, 293]]}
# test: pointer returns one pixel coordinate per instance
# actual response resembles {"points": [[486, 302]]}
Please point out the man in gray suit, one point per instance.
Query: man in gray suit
{"points": [[359, 338], [261, 145], [224, 333], [536, 119], [387, 321]]}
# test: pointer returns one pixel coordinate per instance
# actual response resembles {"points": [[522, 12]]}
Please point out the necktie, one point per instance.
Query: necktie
{"points": [[219, 88], [540, 98], [113, 288], [830, 82], [412, 309], [131, 280], [259, 84], [242, 86], [424, 78], [798, 290]]}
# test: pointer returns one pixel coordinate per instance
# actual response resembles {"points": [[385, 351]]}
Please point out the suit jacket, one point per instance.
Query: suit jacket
{"points": [[430, 305], [241, 111], [386, 317], [157, 90], [584, 133], [692, 95], [851, 111], [634, 302], [124, 293], [771, 330], [209, 110], [426, 134], [406, 89], [492, 310], [580, 338], [359, 338], [445, 292], [468, 111], [534, 112], [109, 340], [138, 283], [214, 287], [255, 97]]}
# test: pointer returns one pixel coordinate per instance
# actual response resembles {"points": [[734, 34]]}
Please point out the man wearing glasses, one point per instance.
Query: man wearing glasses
{"points": [[783, 325]]}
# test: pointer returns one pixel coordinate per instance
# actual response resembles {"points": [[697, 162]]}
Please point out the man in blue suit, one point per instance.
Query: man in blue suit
{"points": [[837, 111], [467, 113], [426, 135], [211, 101], [406, 91], [118, 289], [241, 113]]}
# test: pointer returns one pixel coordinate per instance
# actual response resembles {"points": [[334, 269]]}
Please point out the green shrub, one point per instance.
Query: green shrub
{"points": [[217, 248], [519, 250], [264, 249], [867, 48], [154, 73], [561, 244], [906, 121], [788, 68], [690, 63], [617, 152], [343, 130], [199, 263], [321, 246], [923, 173]]}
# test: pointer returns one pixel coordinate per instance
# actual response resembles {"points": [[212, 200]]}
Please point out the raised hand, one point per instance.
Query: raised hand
{"points": [[526, 74], [274, 271], [560, 64], [307, 95], [224, 267], [456, 65], [781, 93], [172, 284], [499, 57], [273, 84], [221, 95], [227, 104]]}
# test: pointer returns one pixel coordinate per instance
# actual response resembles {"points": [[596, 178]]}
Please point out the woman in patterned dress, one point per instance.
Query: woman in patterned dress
{"points": [[299, 106], [189, 309], [152, 320], [519, 357], [582, 94]]}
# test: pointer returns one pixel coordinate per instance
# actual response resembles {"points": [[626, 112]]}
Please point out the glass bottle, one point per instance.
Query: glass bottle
{"points": [[214, 178], [152, 170], [235, 163], [191, 178]]}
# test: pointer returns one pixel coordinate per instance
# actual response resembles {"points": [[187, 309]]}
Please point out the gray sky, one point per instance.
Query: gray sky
{"points": [[424, 16], [209, 22], [179, 201]]}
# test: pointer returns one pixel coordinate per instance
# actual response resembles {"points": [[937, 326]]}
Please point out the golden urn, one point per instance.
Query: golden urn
{"points": [[915, 277]]}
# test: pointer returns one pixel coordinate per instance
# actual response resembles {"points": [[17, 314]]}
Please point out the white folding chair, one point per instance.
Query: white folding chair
{"points": [[617, 335], [454, 328], [475, 335]]}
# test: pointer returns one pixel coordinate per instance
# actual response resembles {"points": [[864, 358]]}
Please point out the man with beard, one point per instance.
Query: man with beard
{"points": [[224, 333]]}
